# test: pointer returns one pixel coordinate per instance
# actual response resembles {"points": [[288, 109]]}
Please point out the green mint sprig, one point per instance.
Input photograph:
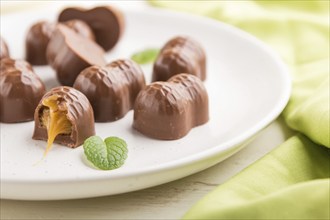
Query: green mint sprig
{"points": [[145, 56], [106, 155]]}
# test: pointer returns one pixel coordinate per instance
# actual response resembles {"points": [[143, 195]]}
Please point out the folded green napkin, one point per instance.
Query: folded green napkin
{"points": [[288, 183], [292, 181]]}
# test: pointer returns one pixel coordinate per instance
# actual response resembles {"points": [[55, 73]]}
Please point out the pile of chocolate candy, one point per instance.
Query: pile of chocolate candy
{"points": [[95, 90]]}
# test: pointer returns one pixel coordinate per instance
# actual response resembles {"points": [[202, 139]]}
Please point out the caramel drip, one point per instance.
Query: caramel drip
{"points": [[55, 120]]}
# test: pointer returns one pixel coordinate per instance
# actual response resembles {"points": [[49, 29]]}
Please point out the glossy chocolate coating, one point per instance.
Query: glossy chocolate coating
{"points": [[111, 89], [21, 91], [81, 28], [107, 23], [69, 53], [40, 33], [79, 113], [36, 42], [169, 110], [180, 55], [4, 52]]}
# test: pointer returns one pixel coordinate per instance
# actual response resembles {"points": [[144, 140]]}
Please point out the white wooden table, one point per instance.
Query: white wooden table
{"points": [[168, 201]]}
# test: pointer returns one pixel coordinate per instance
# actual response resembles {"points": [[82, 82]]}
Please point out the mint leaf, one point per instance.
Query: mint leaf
{"points": [[145, 56], [117, 151], [106, 155]]}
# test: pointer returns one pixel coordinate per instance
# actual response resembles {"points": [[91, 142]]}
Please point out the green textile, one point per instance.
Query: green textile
{"points": [[292, 181], [281, 185]]}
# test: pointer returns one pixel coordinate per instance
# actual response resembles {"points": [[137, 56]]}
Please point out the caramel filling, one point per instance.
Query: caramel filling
{"points": [[54, 119]]}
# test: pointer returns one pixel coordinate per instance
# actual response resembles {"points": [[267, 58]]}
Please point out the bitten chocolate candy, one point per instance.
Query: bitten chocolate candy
{"points": [[4, 52], [65, 116], [168, 110], [111, 89], [180, 55], [107, 23], [69, 53], [39, 35], [21, 91]]}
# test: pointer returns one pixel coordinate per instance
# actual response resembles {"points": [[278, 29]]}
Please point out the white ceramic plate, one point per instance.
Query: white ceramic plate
{"points": [[248, 87]]}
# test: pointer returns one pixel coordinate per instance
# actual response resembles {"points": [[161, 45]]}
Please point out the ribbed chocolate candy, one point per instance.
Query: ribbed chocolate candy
{"points": [[180, 55], [111, 89], [77, 110], [169, 110], [21, 91], [69, 53]]}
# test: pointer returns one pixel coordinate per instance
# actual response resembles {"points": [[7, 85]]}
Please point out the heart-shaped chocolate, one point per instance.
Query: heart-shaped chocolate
{"points": [[106, 22], [169, 110]]}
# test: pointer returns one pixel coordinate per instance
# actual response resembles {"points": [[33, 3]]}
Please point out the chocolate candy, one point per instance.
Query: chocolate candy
{"points": [[81, 28], [107, 23], [65, 116], [111, 89], [180, 55], [21, 91], [39, 35], [4, 52], [168, 110], [69, 53], [36, 42]]}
